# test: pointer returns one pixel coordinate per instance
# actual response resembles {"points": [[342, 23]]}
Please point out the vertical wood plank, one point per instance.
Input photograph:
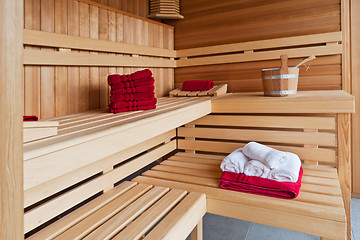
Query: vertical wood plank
{"points": [[104, 71], [344, 164], [345, 119], [47, 85], [127, 37], [32, 73], [94, 91], [73, 98], [119, 34], [11, 111], [112, 37], [61, 73], [84, 81], [355, 75]]}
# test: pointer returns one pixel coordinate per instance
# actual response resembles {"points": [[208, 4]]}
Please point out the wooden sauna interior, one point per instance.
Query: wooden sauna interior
{"points": [[60, 85]]}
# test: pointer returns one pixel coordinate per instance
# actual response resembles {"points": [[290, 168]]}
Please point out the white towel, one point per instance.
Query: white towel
{"points": [[256, 168], [288, 171], [272, 158], [234, 162]]}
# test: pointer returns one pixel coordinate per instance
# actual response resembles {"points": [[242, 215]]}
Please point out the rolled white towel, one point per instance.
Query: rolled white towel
{"points": [[234, 162], [288, 171], [267, 155], [256, 168]]}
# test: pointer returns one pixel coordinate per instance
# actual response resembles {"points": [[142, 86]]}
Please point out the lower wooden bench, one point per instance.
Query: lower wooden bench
{"points": [[318, 210], [133, 211]]}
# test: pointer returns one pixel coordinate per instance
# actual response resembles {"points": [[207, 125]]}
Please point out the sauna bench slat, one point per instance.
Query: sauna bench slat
{"points": [[82, 127], [331, 101], [53, 159]]}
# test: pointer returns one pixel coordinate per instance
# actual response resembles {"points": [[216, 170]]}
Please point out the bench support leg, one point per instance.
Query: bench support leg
{"points": [[197, 232]]}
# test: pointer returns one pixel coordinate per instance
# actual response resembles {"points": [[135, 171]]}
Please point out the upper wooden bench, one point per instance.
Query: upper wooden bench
{"points": [[95, 150], [314, 125]]}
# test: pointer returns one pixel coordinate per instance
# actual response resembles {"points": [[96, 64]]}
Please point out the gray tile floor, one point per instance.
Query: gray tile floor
{"points": [[223, 228]]}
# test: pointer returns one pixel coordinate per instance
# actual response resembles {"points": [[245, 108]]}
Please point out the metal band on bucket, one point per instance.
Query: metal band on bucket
{"points": [[285, 76], [285, 92]]}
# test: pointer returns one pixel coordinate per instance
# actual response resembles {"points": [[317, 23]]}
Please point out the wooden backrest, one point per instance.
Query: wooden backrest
{"points": [[71, 46], [46, 202], [313, 138], [294, 47]]}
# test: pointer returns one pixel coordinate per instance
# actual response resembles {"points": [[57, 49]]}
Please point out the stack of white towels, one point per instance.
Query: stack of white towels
{"points": [[259, 160]]}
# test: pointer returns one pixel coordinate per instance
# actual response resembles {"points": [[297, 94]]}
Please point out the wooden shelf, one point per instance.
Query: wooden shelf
{"points": [[303, 102], [87, 137]]}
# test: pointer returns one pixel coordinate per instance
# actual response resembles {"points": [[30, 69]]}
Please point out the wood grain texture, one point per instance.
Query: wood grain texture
{"points": [[11, 111], [53, 90], [355, 73], [213, 23], [344, 164], [228, 22]]}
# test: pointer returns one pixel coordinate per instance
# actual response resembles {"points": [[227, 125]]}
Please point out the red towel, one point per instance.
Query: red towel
{"points": [[30, 118], [260, 186], [141, 74], [117, 78], [119, 110], [123, 104], [136, 83], [197, 85], [132, 96], [140, 89]]}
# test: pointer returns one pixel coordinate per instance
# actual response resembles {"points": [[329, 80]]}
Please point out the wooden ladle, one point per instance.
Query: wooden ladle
{"points": [[305, 60]]}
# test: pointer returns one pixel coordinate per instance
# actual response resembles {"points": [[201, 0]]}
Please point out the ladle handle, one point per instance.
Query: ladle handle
{"points": [[305, 60]]}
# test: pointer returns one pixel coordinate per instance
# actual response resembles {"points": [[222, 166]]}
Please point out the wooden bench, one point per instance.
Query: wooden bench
{"points": [[129, 211], [311, 124], [92, 153]]}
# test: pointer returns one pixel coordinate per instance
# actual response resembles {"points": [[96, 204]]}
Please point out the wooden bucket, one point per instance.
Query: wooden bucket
{"points": [[280, 85]]}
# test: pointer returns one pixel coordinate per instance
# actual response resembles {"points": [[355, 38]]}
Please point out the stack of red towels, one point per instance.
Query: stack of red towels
{"points": [[132, 92]]}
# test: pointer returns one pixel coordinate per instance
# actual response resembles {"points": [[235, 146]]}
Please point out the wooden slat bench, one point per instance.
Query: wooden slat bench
{"points": [[129, 211], [96, 151], [307, 124]]}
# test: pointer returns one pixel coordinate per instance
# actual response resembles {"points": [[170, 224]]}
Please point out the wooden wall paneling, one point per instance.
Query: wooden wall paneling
{"points": [[355, 75], [127, 37], [47, 84], [119, 35], [324, 73], [84, 72], [156, 71], [112, 37], [61, 72], [64, 89], [32, 73], [73, 85], [11, 111], [104, 71], [94, 85], [137, 7], [213, 23]]}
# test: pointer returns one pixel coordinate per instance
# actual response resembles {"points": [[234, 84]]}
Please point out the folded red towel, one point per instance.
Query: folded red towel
{"points": [[124, 104], [260, 186], [136, 83], [132, 96], [117, 78], [119, 110], [140, 89], [30, 118], [141, 74], [197, 85]]}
